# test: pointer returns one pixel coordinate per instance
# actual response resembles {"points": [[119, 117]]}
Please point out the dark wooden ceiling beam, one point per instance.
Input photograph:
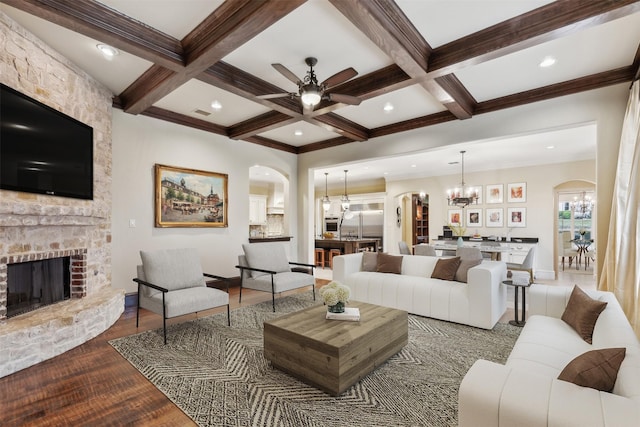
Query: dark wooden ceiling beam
{"points": [[181, 119], [340, 125], [234, 80], [570, 87], [262, 123], [227, 28], [595, 81], [549, 22], [321, 145], [384, 23], [270, 143], [95, 20]]}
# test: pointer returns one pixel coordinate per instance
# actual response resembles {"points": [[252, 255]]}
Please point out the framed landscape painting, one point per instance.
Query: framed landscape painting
{"points": [[495, 217], [517, 217], [190, 197], [494, 193], [517, 192]]}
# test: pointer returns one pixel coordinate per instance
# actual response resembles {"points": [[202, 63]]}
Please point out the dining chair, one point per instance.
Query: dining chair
{"points": [[526, 265], [404, 248], [424, 250], [566, 249]]}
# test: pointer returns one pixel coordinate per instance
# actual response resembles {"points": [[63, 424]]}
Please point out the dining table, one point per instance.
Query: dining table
{"points": [[494, 251], [582, 246]]}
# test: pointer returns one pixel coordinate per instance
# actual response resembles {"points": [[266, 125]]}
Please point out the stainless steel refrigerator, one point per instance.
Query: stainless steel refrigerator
{"points": [[365, 222]]}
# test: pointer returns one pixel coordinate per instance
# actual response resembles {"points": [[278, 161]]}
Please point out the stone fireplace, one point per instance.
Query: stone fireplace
{"points": [[34, 226], [77, 286]]}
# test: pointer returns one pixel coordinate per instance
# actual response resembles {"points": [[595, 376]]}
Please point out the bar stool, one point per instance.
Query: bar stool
{"points": [[320, 257], [332, 253]]}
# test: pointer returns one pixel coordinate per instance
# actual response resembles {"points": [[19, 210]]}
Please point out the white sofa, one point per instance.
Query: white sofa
{"points": [[526, 392], [480, 302]]}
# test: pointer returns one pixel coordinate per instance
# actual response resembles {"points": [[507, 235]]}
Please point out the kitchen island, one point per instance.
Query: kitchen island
{"points": [[349, 246]]}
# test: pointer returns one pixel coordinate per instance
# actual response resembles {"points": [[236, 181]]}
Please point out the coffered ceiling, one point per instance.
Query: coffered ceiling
{"points": [[434, 61]]}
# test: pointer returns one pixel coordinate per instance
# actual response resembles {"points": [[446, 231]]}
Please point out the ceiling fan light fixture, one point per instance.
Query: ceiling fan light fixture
{"points": [[310, 95]]}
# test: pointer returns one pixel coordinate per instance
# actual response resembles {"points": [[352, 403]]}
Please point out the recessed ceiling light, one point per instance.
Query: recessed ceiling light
{"points": [[107, 51], [550, 147], [388, 107], [297, 132], [216, 105], [414, 166], [547, 61], [385, 173]]}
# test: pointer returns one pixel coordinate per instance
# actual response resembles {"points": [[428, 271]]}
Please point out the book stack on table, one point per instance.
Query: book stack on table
{"points": [[350, 313]]}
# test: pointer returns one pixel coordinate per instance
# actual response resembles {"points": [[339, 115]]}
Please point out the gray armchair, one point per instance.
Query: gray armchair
{"points": [[171, 283], [265, 267]]}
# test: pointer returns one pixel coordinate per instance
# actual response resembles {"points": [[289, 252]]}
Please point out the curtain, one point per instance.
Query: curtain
{"points": [[620, 273]]}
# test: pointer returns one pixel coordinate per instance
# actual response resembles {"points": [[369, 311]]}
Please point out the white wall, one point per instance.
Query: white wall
{"points": [[540, 207], [605, 107], [139, 143]]}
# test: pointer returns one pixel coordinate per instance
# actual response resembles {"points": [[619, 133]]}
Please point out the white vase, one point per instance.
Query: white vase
{"points": [[460, 242]]}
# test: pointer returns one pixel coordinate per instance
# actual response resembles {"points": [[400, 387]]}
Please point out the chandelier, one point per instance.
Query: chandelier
{"points": [[583, 205], [462, 196], [345, 198], [326, 203]]}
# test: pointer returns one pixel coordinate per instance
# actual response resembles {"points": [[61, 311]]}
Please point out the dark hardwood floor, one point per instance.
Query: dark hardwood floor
{"points": [[92, 385]]}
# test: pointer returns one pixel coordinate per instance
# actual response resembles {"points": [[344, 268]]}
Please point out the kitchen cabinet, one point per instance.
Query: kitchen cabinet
{"points": [[257, 209]]}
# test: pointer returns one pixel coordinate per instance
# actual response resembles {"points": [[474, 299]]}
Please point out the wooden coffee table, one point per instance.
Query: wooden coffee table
{"points": [[332, 355]]}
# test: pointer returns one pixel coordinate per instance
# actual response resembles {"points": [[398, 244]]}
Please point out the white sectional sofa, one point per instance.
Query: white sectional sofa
{"points": [[480, 302], [526, 392]]}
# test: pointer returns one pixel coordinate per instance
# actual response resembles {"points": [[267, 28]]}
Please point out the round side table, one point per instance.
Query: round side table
{"points": [[517, 287]]}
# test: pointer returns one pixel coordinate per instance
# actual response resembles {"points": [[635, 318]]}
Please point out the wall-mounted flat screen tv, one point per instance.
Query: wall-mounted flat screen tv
{"points": [[42, 150]]}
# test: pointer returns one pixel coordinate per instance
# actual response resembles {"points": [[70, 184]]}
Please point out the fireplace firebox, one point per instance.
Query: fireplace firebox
{"points": [[35, 284]]}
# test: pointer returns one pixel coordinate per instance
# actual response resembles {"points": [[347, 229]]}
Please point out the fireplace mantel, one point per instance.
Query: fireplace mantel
{"points": [[14, 214]]}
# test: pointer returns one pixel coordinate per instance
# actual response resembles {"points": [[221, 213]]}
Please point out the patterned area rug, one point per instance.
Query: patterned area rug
{"points": [[218, 376]]}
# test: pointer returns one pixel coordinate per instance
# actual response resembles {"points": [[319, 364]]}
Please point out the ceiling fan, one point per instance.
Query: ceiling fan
{"points": [[310, 91]]}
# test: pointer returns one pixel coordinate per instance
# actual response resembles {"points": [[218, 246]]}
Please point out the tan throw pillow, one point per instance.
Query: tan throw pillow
{"points": [[369, 261], [389, 263], [446, 268], [581, 313], [463, 268], [595, 369]]}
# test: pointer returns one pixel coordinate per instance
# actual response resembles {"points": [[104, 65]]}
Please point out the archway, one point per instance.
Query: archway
{"points": [[268, 202], [574, 216]]}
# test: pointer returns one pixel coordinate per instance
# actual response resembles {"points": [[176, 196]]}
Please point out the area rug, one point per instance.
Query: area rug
{"points": [[218, 376]]}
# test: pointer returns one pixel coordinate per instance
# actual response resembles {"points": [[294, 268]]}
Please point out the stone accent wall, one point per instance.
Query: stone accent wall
{"points": [[33, 224]]}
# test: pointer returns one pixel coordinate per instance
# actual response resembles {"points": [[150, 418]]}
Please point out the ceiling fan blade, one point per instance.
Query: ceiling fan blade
{"points": [[286, 72], [344, 99], [340, 77], [274, 95]]}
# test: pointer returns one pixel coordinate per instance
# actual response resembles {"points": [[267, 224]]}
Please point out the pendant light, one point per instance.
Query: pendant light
{"points": [[326, 203], [345, 198], [462, 197]]}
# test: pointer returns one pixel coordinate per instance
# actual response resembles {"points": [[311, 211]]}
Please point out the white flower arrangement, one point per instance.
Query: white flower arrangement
{"points": [[335, 292]]}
